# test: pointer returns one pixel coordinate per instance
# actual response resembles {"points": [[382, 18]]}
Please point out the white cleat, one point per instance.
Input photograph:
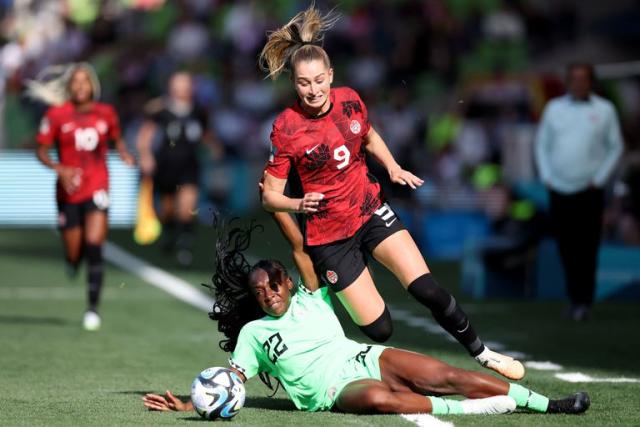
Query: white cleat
{"points": [[504, 365], [489, 406], [91, 321]]}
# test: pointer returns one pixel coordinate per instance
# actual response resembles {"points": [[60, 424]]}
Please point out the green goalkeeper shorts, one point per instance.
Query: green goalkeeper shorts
{"points": [[363, 365]]}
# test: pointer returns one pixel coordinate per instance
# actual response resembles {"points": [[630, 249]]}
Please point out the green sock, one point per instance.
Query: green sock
{"points": [[441, 406], [526, 398]]}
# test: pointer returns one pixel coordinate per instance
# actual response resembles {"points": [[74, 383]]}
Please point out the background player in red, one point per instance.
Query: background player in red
{"points": [[79, 128], [325, 137]]}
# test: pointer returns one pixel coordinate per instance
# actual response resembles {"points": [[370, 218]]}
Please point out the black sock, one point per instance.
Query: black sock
{"points": [[446, 311], [380, 329], [73, 263], [185, 236], [96, 273], [168, 235]]}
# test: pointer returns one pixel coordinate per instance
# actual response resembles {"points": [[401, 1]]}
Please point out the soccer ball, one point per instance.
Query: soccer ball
{"points": [[217, 393]]}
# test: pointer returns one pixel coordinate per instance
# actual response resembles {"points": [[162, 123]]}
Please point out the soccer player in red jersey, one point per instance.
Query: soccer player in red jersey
{"points": [[325, 137], [79, 128]]}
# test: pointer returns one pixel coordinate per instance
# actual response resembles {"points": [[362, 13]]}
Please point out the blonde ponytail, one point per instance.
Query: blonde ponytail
{"points": [[51, 85], [298, 40]]}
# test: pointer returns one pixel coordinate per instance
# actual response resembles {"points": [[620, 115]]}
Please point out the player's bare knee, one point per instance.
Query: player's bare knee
{"points": [[96, 240]]}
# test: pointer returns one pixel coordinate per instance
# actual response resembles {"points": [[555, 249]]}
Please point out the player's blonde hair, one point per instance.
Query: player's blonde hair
{"points": [[298, 40], [51, 85]]}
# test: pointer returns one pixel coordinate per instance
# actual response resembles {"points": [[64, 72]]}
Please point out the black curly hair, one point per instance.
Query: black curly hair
{"points": [[234, 305]]}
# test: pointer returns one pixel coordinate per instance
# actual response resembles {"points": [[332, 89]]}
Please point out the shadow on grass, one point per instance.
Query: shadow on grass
{"points": [[271, 403], [183, 397], [32, 320]]}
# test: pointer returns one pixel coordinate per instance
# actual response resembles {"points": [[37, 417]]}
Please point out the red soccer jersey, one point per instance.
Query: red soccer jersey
{"points": [[328, 154], [81, 141]]}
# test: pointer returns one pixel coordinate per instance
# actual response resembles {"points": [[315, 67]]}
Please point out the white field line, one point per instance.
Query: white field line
{"points": [[426, 420], [159, 278], [543, 366], [579, 377]]}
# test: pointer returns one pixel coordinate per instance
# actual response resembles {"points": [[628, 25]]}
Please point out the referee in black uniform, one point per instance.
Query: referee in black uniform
{"points": [[168, 147]]}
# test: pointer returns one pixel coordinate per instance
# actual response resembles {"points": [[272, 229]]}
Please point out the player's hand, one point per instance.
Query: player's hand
{"points": [[127, 158], [147, 164], [310, 202], [261, 183], [70, 178], [168, 402], [403, 177]]}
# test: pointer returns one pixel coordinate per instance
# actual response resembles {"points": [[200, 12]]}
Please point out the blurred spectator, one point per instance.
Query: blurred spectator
{"points": [[577, 148], [468, 78], [504, 24], [188, 40], [516, 226], [622, 219]]}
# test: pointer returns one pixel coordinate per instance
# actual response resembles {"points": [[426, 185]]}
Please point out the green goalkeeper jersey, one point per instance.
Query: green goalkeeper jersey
{"points": [[305, 348]]}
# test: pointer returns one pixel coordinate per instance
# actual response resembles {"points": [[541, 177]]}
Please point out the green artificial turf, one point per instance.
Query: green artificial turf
{"points": [[54, 373]]}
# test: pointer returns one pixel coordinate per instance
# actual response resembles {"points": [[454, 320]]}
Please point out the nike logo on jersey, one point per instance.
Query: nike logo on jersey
{"points": [[310, 150], [388, 224]]}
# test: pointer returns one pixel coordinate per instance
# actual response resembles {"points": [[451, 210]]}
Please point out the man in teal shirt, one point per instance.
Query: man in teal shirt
{"points": [[577, 148]]}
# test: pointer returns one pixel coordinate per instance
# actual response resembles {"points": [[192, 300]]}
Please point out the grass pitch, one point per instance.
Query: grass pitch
{"points": [[54, 373]]}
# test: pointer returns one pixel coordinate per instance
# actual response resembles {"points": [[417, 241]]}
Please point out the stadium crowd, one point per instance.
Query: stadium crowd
{"points": [[455, 87]]}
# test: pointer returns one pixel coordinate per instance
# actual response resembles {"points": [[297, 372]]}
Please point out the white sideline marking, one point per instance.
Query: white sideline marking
{"points": [[427, 325], [543, 366], [494, 345], [159, 278], [515, 354], [579, 377], [425, 420], [417, 322], [432, 327]]}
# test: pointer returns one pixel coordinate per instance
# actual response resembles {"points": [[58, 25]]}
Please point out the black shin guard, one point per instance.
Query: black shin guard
{"points": [[96, 273], [446, 311], [380, 329]]}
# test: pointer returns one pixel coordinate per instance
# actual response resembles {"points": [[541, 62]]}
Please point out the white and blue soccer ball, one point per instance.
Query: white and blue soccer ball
{"points": [[217, 393]]}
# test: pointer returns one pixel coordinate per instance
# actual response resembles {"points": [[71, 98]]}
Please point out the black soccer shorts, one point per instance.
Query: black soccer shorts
{"points": [[72, 214], [339, 264], [174, 171]]}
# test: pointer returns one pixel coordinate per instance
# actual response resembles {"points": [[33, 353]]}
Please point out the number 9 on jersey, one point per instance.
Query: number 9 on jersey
{"points": [[342, 155]]}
